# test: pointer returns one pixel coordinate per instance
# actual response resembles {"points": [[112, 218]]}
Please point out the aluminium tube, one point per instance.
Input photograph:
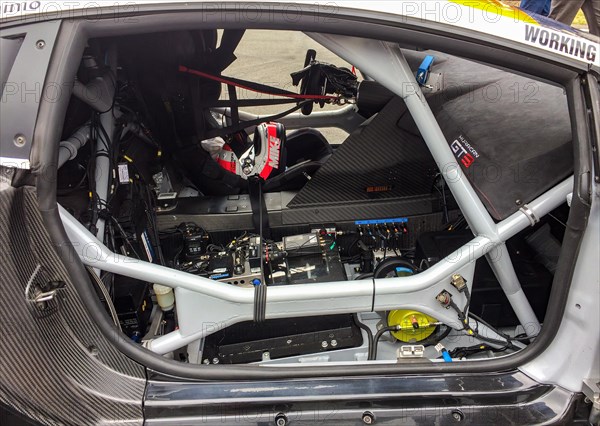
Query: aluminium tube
{"points": [[386, 63], [93, 253]]}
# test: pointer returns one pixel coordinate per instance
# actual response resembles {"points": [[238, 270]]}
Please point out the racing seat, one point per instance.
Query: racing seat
{"points": [[306, 151]]}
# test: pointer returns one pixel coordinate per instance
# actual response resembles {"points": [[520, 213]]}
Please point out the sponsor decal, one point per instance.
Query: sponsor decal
{"points": [[563, 43], [464, 152], [227, 159], [274, 151], [381, 188]]}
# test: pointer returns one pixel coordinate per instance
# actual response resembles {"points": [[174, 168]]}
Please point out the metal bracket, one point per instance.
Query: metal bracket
{"points": [[533, 219], [41, 292], [591, 390]]}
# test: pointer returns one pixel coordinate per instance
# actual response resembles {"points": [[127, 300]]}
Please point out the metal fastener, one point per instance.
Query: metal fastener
{"points": [[324, 344], [215, 360], [333, 343], [281, 419], [20, 140], [458, 415], [40, 44], [368, 418], [206, 361]]}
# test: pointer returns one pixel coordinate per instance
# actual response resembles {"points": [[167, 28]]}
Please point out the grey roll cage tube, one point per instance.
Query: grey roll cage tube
{"points": [[205, 306]]}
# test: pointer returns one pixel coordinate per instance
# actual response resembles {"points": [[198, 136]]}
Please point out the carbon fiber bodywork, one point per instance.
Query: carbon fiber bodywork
{"points": [[81, 386], [56, 365], [380, 161]]}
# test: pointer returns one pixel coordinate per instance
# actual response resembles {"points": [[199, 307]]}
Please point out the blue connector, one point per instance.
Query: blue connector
{"points": [[424, 69], [441, 349]]}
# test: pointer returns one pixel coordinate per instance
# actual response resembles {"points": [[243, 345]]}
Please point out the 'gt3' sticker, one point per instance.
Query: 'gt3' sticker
{"points": [[464, 151]]}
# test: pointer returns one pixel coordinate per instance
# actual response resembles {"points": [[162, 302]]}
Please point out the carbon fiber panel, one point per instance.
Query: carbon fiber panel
{"points": [[56, 367], [378, 161], [215, 218], [358, 211]]}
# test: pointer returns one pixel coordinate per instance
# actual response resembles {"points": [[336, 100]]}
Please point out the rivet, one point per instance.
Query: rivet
{"points": [[20, 140]]}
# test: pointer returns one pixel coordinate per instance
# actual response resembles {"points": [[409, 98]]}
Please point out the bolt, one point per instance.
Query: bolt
{"points": [[518, 202], [20, 140], [206, 361], [458, 416], [281, 419], [40, 44], [215, 360], [333, 343], [368, 418], [324, 344], [289, 342]]}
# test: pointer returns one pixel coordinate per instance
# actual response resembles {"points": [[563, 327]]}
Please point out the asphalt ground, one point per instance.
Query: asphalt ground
{"points": [[269, 57]]}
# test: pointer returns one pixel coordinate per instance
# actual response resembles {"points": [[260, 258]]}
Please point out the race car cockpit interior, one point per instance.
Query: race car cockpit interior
{"points": [[254, 206]]}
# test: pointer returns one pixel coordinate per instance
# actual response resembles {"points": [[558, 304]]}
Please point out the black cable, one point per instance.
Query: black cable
{"points": [[367, 330], [298, 250], [445, 202], [151, 215], [439, 179], [381, 332], [123, 233], [364, 276], [245, 124], [468, 297], [482, 321], [436, 338], [463, 352], [465, 323]]}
